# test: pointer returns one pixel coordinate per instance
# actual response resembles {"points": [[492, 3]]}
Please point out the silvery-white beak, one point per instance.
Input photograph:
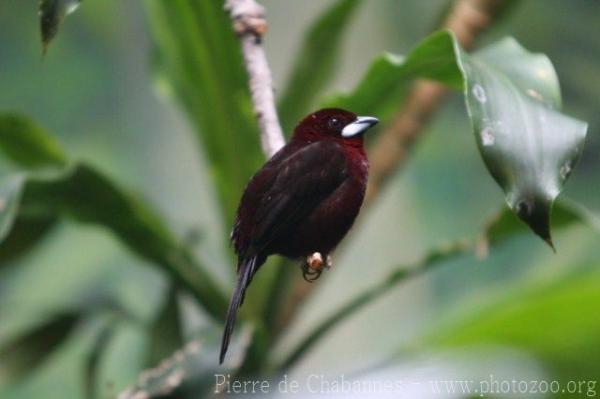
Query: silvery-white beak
{"points": [[360, 125]]}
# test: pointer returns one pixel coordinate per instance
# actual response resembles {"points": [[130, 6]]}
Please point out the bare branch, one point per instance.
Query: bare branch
{"points": [[249, 24]]}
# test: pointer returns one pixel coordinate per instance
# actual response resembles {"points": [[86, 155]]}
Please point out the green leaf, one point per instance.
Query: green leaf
{"points": [[165, 332], [27, 145], [10, 195], [191, 370], [24, 235], [81, 192], [512, 100], [52, 13], [99, 346], [381, 90], [557, 323], [315, 63], [19, 357], [529, 148], [116, 358], [88, 196], [503, 225], [197, 58]]}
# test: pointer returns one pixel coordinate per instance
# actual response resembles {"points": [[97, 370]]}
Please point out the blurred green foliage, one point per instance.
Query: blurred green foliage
{"points": [[79, 191], [74, 303], [322, 42], [198, 59], [564, 316]]}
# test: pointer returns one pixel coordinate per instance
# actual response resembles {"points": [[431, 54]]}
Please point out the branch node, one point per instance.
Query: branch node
{"points": [[248, 17]]}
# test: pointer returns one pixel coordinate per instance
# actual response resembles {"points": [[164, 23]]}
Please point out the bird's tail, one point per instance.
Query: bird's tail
{"points": [[246, 270]]}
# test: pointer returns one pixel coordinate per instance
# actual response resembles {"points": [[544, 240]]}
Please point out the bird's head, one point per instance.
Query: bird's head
{"points": [[334, 123]]}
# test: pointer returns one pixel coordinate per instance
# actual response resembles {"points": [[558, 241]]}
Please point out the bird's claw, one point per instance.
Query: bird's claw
{"points": [[314, 265], [310, 275]]}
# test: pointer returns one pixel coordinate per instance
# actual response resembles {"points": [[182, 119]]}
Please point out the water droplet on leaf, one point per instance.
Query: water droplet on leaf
{"points": [[487, 136], [71, 6], [479, 93], [565, 170], [534, 94]]}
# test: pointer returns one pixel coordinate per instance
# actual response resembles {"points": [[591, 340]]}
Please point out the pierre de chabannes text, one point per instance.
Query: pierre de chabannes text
{"points": [[319, 383]]}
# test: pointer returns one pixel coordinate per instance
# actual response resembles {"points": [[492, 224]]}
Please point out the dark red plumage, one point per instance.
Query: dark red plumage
{"points": [[303, 200]]}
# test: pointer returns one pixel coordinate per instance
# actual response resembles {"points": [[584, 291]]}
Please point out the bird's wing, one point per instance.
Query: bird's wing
{"points": [[283, 192], [286, 191]]}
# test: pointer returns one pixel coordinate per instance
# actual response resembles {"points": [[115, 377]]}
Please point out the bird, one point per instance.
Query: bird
{"points": [[303, 200]]}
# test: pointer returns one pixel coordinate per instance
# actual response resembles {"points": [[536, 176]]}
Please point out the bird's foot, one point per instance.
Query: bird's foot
{"points": [[314, 266]]}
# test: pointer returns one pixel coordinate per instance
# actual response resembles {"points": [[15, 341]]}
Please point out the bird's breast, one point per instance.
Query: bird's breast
{"points": [[331, 220]]}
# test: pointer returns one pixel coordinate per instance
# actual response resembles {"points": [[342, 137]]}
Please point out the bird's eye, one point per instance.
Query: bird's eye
{"points": [[335, 123]]}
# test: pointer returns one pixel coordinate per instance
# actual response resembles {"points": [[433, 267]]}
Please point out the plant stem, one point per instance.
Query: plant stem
{"points": [[396, 277]]}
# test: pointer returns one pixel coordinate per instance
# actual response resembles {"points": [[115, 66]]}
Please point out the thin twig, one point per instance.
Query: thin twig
{"points": [[165, 378], [396, 277], [249, 24]]}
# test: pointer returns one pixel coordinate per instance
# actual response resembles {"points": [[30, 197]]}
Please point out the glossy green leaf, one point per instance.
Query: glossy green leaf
{"points": [[315, 63], [198, 59], [528, 146], [503, 225], [512, 98], [52, 13], [191, 370], [382, 89]]}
